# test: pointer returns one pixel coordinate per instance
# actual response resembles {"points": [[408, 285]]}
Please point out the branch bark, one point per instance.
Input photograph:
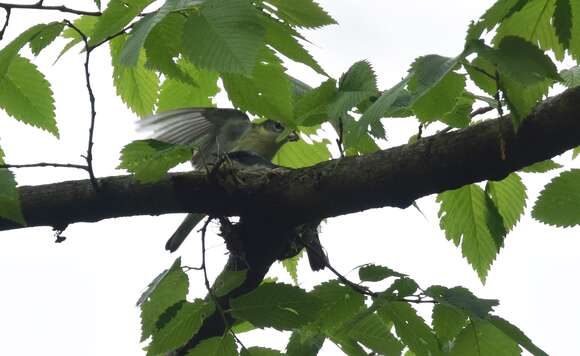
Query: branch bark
{"points": [[394, 177]]}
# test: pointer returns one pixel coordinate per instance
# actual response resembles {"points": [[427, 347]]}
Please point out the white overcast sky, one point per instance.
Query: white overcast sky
{"points": [[78, 297]]}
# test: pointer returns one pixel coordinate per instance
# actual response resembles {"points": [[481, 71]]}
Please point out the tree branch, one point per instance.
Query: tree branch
{"points": [[39, 6], [394, 177]]}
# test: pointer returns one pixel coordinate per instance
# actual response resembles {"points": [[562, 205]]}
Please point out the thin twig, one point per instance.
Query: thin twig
{"points": [[3, 30], [420, 131], [339, 141], [39, 6], [89, 155], [45, 164], [480, 111]]}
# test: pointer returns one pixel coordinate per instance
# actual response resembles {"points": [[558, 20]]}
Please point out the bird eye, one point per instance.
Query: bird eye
{"points": [[278, 126]]}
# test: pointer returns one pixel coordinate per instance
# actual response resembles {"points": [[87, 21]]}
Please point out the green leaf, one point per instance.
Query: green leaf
{"points": [[311, 107], [509, 196], [130, 52], [177, 94], [305, 341], [300, 154], [98, 3], [216, 346], [463, 300], [574, 49], [522, 99], [228, 281], [483, 339], [356, 85], [10, 52], [542, 167], [447, 321], [260, 351], [403, 287], [276, 305], [571, 77], [467, 219], [483, 80], [411, 328], [440, 99], [225, 36], [575, 152], [26, 95], [340, 304], [167, 289], [85, 24], [137, 86], [559, 202], [562, 22], [116, 16], [374, 273], [516, 335], [45, 37], [180, 328], [498, 12], [375, 334], [9, 196], [303, 13], [149, 160], [291, 266], [460, 115]]}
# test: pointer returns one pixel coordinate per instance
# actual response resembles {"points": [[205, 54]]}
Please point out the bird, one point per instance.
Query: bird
{"points": [[215, 131]]}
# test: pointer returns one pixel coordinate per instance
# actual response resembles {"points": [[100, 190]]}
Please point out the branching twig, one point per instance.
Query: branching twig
{"points": [[45, 164], [89, 155], [3, 30], [39, 6]]}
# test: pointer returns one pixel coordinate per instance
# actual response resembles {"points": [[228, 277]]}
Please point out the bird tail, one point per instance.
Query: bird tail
{"points": [[188, 224]]}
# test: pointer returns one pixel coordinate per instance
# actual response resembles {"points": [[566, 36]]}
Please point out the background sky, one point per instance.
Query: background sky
{"points": [[78, 297]]}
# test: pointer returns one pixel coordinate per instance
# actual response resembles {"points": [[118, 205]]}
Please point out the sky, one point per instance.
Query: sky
{"points": [[78, 297]]}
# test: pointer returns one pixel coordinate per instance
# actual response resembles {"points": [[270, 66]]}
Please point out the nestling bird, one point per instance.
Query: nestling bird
{"points": [[216, 131]]}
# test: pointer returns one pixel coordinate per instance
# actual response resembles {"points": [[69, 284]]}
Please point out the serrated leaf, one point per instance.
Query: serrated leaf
{"points": [[291, 266], [375, 334], [26, 95], [225, 36], [260, 351], [562, 22], [467, 219], [45, 37], [162, 293], [574, 49], [215, 346], [559, 201], [356, 85], [176, 94], [447, 321], [483, 339], [482, 79], [375, 273], [85, 24], [509, 196], [305, 341], [311, 107], [411, 328], [500, 10], [137, 86], [303, 13], [10, 52], [516, 335], [463, 300], [149, 160], [300, 154], [276, 305], [440, 99], [340, 303], [228, 281], [571, 77], [460, 115], [130, 53], [403, 287], [522, 99], [117, 15], [10, 197], [180, 328], [542, 167]]}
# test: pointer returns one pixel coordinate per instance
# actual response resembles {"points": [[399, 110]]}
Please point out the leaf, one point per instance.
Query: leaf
{"points": [[483, 339], [559, 201], [10, 207], [575, 152], [10, 52], [98, 3], [305, 341], [574, 49], [176, 94], [303, 13], [215, 346], [45, 37], [460, 115], [562, 22], [26, 95], [130, 53], [291, 266], [462, 299], [509, 196], [340, 303], [149, 160], [411, 328], [447, 321], [180, 327], [116, 16], [300, 154], [225, 36], [162, 293], [440, 99], [542, 167], [498, 12], [357, 84], [374, 273], [85, 24], [571, 77], [276, 305], [516, 335], [260, 351], [137, 86], [228, 281], [375, 334], [467, 219], [403, 287], [311, 107]]}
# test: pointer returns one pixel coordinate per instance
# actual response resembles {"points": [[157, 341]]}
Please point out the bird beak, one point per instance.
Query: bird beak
{"points": [[293, 136]]}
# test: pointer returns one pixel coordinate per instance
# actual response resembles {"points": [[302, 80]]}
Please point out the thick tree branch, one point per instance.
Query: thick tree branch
{"points": [[394, 177]]}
